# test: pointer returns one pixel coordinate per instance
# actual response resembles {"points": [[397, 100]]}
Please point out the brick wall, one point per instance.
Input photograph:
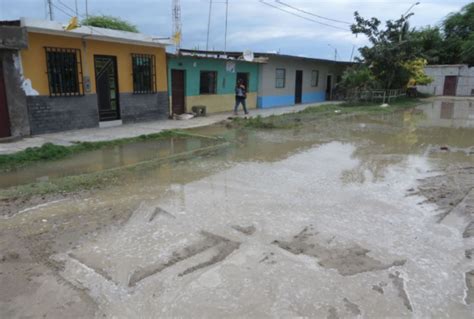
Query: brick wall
{"points": [[143, 107], [55, 114]]}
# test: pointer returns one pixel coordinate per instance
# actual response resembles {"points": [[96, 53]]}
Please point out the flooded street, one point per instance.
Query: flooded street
{"points": [[363, 215]]}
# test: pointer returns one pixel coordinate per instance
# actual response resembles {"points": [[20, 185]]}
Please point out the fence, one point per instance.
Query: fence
{"points": [[385, 96]]}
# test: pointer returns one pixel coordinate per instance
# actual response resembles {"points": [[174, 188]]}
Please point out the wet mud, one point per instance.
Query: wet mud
{"points": [[399, 284], [347, 261]]}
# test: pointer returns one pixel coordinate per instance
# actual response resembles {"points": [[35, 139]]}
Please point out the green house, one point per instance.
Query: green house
{"points": [[209, 81]]}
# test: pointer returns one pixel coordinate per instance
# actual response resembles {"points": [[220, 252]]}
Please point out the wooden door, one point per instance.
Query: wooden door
{"points": [[298, 87], [178, 104], [450, 84], [4, 116], [107, 87]]}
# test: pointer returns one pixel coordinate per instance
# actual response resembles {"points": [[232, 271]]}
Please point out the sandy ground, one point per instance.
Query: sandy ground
{"points": [[368, 218]]}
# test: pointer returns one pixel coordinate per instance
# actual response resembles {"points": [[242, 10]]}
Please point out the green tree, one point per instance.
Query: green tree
{"points": [[109, 22], [392, 46]]}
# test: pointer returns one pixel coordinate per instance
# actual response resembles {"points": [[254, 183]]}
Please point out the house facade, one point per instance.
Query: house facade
{"points": [[449, 80], [289, 80], [85, 77], [199, 80]]}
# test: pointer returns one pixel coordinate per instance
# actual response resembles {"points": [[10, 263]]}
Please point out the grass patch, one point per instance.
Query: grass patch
{"points": [[49, 151], [292, 120]]}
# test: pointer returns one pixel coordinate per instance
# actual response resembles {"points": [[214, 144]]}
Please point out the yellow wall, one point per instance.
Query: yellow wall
{"points": [[34, 60], [219, 103]]}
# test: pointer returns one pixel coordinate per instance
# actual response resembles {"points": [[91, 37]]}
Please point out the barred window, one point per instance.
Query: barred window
{"points": [[64, 67], [280, 75], [208, 82], [144, 75], [315, 78]]}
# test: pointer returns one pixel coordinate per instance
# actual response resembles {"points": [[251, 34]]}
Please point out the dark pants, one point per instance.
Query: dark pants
{"points": [[240, 100]]}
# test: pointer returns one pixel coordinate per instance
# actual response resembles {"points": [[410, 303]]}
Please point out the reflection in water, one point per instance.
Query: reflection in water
{"points": [[456, 113]]}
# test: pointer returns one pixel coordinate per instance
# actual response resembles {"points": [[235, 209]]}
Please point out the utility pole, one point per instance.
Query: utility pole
{"points": [[208, 25], [225, 32], [403, 18], [77, 10], [50, 10], [335, 52], [87, 10]]}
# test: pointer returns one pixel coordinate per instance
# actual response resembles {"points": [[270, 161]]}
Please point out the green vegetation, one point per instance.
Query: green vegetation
{"points": [[48, 151], [109, 22], [325, 111]]}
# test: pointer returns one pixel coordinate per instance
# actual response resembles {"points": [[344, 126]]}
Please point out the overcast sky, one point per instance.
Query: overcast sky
{"points": [[251, 24]]}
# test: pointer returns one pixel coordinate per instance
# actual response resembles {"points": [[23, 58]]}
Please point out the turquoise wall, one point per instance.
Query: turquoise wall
{"points": [[225, 80]]}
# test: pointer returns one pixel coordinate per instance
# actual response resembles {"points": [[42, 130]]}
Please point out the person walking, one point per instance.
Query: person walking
{"points": [[240, 96]]}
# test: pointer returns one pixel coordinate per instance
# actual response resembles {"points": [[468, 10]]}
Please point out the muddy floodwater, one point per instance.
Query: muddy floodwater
{"points": [[355, 216]]}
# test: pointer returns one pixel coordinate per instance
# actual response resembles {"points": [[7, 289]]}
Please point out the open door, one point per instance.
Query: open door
{"points": [[4, 116], [107, 87], [178, 101], [298, 87], [329, 87]]}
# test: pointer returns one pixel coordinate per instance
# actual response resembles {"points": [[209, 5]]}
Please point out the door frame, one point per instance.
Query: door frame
{"points": [[184, 90], [7, 113], [301, 87], [329, 96], [117, 89]]}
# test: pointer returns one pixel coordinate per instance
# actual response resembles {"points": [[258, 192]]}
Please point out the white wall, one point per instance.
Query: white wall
{"points": [[439, 72]]}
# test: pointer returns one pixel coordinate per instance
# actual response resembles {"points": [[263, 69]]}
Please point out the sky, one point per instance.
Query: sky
{"points": [[251, 25]]}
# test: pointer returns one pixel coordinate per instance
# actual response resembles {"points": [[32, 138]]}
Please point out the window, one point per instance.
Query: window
{"points": [[280, 78], [144, 75], [208, 82], [64, 72], [315, 78]]}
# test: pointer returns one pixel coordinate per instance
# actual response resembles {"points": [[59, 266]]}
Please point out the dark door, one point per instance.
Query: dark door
{"points": [[450, 83], [329, 87], [298, 87], [4, 116], [107, 87], [245, 78], [178, 92]]}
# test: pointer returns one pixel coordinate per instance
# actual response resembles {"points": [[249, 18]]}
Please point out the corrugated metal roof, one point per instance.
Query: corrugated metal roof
{"points": [[53, 27]]}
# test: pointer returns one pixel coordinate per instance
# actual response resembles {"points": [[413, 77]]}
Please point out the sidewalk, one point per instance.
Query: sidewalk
{"points": [[135, 129]]}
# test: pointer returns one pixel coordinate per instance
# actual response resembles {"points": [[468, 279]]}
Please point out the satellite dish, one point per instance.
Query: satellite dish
{"points": [[248, 55]]}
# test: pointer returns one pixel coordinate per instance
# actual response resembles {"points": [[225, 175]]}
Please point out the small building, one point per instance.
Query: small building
{"points": [[201, 78], [289, 80], [450, 80], [87, 77]]}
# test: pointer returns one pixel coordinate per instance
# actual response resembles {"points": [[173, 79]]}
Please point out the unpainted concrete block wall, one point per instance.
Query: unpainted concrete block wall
{"points": [[56, 114], [143, 107]]}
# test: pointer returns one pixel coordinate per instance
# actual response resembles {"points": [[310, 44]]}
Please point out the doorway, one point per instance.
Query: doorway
{"points": [[4, 116], [329, 87], [107, 87], [298, 87], [450, 84], [244, 77], [178, 102]]}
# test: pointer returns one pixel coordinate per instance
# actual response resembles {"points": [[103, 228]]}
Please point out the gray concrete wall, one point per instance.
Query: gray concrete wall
{"points": [[13, 37], [56, 114], [465, 85], [143, 107], [16, 98]]}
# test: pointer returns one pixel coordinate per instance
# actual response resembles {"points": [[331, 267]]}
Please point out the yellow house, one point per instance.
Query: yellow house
{"points": [[90, 77]]}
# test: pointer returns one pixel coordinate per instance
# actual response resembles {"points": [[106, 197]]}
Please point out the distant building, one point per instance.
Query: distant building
{"points": [[57, 80], [289, 80], [450, 80]]}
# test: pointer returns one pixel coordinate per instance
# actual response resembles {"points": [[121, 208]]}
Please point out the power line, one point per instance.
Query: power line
{"points": [[312, 14], [303, 17]]}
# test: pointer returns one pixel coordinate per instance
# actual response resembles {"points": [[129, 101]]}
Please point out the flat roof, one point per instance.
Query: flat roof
{"points": [[237, 55], [95, 33]]}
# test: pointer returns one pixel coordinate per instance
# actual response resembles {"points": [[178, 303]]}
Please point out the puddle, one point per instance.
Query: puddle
{"points": [[332, 219]]}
